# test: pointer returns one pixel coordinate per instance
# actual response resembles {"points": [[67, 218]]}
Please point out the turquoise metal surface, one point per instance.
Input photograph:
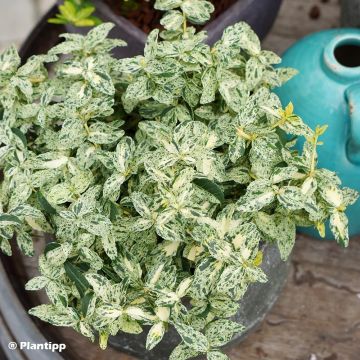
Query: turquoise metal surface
{"points": [[326, 91]]}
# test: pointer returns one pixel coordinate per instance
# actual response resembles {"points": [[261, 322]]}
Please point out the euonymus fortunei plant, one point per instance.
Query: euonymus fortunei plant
{"points": [[160, 177]]}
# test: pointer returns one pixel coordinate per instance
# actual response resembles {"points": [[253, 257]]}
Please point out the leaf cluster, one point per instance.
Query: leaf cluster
{"points": [[161, 177]]}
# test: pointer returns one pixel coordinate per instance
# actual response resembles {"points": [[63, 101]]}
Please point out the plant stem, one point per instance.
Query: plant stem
{"points": [[313, 155], [184, 24]]}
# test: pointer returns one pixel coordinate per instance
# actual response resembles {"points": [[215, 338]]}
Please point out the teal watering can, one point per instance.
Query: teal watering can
{"points": [[327, 91]]}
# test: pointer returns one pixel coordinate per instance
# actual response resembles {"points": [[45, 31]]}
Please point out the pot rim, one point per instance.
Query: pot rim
{"points": [[352, 37], [214, 28], [26, 330]]}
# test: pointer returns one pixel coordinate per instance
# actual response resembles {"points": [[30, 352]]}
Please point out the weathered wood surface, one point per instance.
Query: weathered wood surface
{"points": [[298, 18], [318, 314]]}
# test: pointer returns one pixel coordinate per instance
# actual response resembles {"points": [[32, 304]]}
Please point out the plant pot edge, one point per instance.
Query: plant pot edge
{"points": [[268, 293], [18, 325], [29, 331], [260, 18]]}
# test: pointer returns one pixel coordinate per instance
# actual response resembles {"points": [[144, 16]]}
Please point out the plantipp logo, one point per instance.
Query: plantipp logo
{"points": [[25, 345]]}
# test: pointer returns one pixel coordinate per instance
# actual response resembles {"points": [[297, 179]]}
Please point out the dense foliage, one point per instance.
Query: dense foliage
{"points": [[160, 177]]}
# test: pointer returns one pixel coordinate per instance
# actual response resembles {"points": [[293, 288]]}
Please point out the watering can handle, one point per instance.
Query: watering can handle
{"points": [[352, 95]]}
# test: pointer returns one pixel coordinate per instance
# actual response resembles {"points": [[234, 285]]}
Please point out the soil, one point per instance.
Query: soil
{"points": [[144, 16]]}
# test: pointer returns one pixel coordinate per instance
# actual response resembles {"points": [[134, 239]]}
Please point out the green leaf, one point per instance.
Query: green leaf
{"points": [[137, 91], [155, 335], [211, 187], [51, 246], [127, 267], [100, 81], [237, 149], [220, 332], [183, 352], [192, 338], [241, 36], [20, 135], [259, 194], [206, 274], [77, 277], [91, 257], [9, 60], [234, 92], [129, 326], [283, 173], [278, 228], [25, 210], [7, 219], [138, 313], [216, 355], [85, 303], [231, 282], [96, 224], [291, 198], [36, 283], [269, 58], [101, 133], [197, 11], [332, 195], [109, 245], [56, 256], [97, 35], [59, 194], [112, 186], [25, 243], [4, 151], [339, 227], [209, 83], [84, 12], [165, 5], [45, 204], [254, 72], [172, 20], [285, 74], [54, 316]]}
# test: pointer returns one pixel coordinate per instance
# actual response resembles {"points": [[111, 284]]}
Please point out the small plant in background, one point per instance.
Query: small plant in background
{"points": [[80, 12], [77, 13], [161, 177]]}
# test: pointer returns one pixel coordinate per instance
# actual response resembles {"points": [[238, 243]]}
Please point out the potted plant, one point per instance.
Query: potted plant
{"points": [[135, 18], [163, 181]]}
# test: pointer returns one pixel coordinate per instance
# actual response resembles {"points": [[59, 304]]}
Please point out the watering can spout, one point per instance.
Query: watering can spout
{"points": [[352, 95]]}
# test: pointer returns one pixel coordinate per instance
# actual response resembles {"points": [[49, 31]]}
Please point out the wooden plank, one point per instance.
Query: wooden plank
{"points": [[294, 21], [318, 313]]}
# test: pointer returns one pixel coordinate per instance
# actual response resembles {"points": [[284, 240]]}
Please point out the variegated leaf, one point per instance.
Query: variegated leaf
{"points": [[220, 332]]}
